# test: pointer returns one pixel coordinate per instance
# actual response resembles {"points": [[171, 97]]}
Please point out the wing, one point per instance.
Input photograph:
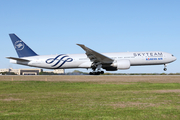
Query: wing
{"points": [[19, 59], [96, 57]]}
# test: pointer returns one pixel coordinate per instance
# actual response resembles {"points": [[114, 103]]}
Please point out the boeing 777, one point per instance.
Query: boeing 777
{"points": [[91, 59]]}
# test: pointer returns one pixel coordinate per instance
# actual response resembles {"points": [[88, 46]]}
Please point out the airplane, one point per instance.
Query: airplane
{"points": [[91, 59]]}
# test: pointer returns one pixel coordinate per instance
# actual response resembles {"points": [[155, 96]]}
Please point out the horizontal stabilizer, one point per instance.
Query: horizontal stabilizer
{"points": [[19, 59]]}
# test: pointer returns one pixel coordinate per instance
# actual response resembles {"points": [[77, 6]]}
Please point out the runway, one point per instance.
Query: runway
{"points": [[107, 78]]}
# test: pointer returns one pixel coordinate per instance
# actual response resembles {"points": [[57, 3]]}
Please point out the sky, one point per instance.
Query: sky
{"points": [[54, 27]]}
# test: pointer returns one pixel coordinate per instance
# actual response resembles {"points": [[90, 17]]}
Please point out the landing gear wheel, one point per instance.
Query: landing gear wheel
{"points": [[90, 73], [102, 72], [97, 73], [165, 69], [94, 73]]}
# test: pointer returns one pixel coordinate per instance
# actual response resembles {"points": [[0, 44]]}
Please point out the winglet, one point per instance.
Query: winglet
{"points": [[83, 47], [21, 48]]}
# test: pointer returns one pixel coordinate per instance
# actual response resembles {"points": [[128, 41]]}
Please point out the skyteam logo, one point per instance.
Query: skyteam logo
{"points": [[59, 60], [19, 45]]}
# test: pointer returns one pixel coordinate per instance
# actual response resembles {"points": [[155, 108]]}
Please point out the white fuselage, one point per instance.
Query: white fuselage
{"points": [[65, 61]]}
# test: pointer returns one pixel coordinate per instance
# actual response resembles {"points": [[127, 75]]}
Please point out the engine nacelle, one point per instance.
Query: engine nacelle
{"points": [[122, 64]]}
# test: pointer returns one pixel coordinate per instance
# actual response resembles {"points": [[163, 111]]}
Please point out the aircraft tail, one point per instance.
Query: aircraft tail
{"points": [[21, 48]]}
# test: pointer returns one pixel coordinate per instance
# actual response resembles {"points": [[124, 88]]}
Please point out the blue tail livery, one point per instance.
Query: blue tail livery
{"points": [[21, 48]]}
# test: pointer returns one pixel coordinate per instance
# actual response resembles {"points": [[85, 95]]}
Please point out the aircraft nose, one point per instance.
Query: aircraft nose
{"points": [[174, 58]]}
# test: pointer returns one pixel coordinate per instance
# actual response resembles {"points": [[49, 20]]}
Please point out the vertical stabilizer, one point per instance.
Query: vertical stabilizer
{"points": [[21, 48]]}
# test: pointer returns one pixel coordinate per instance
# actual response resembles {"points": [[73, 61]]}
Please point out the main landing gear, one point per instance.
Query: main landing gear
{"points": [[98, 67], [165, 69]]}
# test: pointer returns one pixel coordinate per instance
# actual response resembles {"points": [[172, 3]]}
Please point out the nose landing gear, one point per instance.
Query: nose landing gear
{"points": [[165, 69]]}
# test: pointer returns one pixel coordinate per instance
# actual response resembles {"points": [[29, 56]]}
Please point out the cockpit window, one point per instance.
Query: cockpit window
{"points": [[172, 55]]}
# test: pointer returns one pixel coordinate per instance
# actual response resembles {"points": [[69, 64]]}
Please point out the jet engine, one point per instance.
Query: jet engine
{"points": [[122, 64]]}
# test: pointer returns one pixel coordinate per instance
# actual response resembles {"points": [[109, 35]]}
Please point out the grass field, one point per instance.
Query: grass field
{"points": [[90, 97]]}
